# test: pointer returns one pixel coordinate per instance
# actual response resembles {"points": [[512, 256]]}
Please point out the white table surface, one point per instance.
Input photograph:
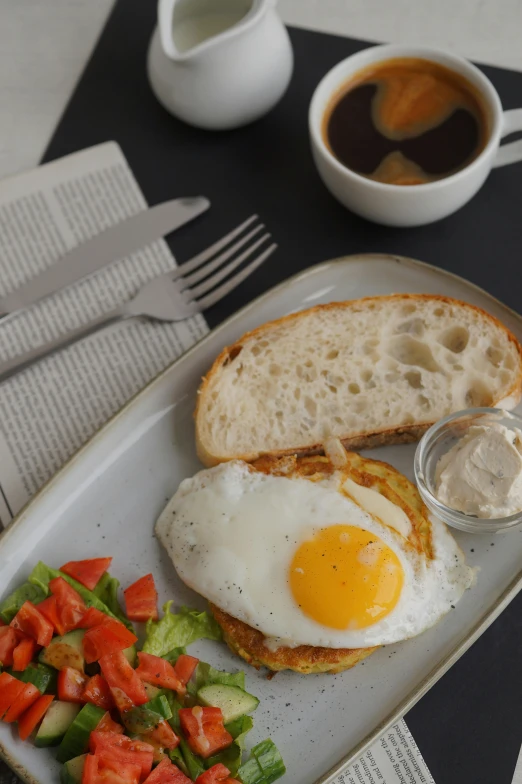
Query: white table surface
{"points": [[44, 45]]}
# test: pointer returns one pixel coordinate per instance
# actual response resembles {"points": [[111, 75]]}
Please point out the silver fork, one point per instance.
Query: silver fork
{"points": [[173, 296]]}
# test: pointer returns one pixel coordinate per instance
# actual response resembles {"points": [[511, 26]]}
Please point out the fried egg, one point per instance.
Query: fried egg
{"points": [[310, 560]]}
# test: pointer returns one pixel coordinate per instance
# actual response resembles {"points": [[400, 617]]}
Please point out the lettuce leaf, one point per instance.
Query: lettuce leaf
{"points": [[177, 630], [189, 763], [173, 655], [264, 766], [106, 590], [42, 575], [175, 706], [12, 603], [177, 757], [239, 728], [193, 763], [206, 675], [269, 759], [250, 772]]}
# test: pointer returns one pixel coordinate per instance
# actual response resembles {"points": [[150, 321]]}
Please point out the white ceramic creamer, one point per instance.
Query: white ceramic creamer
{"points": [[219, 64]]}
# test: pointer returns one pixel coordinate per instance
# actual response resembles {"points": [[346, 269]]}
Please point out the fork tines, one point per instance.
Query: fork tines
{"points": [[212, 260]]}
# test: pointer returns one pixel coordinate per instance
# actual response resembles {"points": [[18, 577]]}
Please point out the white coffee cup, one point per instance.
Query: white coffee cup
{"points": [[411, 205]]}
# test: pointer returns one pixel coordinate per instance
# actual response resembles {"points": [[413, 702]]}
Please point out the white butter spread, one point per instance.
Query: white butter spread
{"points": [[379, 506], [274, 643], [482, 474]]}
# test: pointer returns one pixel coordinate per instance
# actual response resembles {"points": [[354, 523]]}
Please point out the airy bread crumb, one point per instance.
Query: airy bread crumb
{"points": [[371, 371]]}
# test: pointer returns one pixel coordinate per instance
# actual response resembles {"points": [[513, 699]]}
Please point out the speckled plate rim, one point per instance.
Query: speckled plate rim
{"points": [[514, 587]]}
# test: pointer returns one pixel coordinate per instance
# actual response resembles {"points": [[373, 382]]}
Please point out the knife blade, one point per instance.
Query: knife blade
{"points": [[114, 243]]}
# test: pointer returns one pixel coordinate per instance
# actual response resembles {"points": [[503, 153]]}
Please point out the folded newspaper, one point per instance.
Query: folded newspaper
{"points": [[50, 409]]}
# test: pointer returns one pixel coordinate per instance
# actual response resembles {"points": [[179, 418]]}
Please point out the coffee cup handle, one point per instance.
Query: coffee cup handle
{"points": [[512, 152]]}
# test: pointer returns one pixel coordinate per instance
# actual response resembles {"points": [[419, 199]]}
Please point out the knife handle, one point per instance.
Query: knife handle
{"points": [[22, 361]]}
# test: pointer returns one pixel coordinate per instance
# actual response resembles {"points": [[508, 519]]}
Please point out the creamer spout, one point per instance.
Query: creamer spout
{"points": [[188, 26], [219, 64]]}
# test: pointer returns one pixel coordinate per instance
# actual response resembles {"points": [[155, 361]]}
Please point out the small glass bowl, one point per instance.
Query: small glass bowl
{"points": [[437, 441]]}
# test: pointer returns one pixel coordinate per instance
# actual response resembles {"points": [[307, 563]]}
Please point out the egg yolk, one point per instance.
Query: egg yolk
{"points": [[345, 577]]}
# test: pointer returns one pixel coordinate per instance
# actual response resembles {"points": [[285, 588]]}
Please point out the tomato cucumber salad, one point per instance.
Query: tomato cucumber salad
{"points": [[72, 677]]}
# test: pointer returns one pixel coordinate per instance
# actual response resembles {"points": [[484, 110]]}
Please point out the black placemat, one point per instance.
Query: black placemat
{"points": [[467, 726]]}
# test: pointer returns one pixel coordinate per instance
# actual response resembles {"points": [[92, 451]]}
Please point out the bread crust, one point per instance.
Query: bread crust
{"points": [[406, 434], [383, 436]]}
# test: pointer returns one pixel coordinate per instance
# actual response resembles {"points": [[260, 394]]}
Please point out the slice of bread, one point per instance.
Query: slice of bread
{"points": [[373, 371]]}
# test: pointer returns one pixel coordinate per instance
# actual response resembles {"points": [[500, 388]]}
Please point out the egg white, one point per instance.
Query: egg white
{"points": [[232, 533]]}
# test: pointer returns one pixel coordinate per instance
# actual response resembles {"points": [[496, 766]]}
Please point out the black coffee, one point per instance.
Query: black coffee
{"points": [[406, 122]]}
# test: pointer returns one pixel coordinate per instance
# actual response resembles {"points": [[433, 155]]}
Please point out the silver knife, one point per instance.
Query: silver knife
{"points": [[114, 243]]}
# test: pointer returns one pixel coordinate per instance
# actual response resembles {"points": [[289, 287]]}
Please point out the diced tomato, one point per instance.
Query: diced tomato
{"points": [[10, 689], [70, 605], [31, 622], [217, 774], [97, 692], [29, 720], [123, 703], [206, 734], [87, 572], [126, 636], [120, 675], [49, 609], [90, 770], [107, 637], [112, 769], [107, 724], [159, 752], [106, 770], [23, 654], [162, 736], [65, 592], [71, 684], [118, 759], [8, 642], [23, 702], [153, 669], [167, 773], [122, 748], [141, 599], [184, 667], [107, 740], [92, 617]]}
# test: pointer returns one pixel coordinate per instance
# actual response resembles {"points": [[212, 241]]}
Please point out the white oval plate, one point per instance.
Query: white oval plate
{"points": [[106, 499]]}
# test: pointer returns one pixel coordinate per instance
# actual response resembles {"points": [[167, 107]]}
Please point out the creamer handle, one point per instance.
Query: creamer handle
{"points": [[165, 16]]}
